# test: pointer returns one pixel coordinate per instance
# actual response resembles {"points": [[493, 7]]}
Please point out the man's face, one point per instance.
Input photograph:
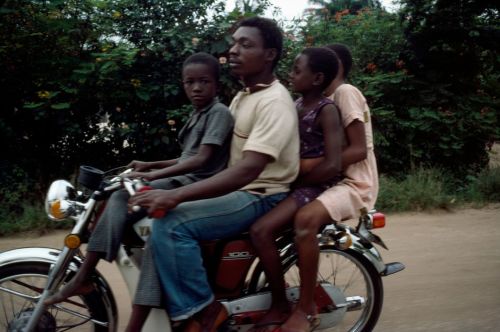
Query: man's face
{"points": [[247, 55]]}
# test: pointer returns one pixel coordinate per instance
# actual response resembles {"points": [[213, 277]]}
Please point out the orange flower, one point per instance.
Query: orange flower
{"points": [[135, 82], [44, 94], [371, 67]]}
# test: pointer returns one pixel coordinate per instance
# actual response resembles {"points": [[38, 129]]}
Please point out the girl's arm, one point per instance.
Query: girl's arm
{"points": [[356, 149], [330, 166]]}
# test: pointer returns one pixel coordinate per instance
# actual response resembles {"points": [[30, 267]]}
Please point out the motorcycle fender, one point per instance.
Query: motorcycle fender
{"points": [[33, 254], [50, 256], [371, 254]]}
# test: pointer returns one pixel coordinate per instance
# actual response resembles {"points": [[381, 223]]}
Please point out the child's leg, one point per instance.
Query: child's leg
{"points": [[307, 222], [137, 318], [263, 234]]}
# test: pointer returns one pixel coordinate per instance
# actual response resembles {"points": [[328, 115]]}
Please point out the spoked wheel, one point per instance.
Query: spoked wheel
{"points": [[20, 287], [351, 282]]}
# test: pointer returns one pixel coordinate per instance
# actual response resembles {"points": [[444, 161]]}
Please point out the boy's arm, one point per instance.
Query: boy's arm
{"points": [[229, 180], [188, 165]]}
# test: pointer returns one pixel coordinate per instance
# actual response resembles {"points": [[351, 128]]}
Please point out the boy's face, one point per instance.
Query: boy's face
{"points": [[199, 84], [247, 56]]}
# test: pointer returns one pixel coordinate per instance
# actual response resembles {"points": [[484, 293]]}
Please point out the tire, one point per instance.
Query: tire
{"points": [[22, 280], [350, 273]]}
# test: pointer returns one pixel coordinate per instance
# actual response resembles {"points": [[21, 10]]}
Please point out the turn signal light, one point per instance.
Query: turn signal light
{"points": [[378, 220], [72, 241]]}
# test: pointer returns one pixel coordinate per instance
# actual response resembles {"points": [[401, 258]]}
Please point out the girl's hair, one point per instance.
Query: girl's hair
{"points": [[270, 32], [322, 60], [344, 55], [205, 59]]}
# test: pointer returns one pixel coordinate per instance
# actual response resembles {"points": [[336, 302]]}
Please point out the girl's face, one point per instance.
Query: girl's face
{"points": [[301, 76], [199, 84]]}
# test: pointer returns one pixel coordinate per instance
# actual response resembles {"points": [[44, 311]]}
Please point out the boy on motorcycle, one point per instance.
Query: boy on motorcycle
{"points": [[205, 140], [263, 162]]}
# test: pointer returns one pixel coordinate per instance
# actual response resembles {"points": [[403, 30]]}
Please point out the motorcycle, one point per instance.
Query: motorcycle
{"points": [[349, 292]]}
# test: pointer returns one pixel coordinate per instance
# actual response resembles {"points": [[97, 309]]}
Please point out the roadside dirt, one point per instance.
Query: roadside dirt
{"points": [[451, 280]]}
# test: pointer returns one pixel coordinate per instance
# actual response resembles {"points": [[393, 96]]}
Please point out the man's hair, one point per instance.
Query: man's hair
{"points": [[270, 32], [322, 60], [205, 59], [344, 55]]}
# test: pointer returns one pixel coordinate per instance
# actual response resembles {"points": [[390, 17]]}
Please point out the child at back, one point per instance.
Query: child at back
{"points": [[321, 140], [357, 190]]}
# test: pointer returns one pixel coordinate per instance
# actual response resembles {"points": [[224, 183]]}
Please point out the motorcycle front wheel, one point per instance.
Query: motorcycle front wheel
{"points": [[348, 275], [22, 284]]}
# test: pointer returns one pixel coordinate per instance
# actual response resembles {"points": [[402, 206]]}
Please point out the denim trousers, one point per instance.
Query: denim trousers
{"points": [[176, 250]]}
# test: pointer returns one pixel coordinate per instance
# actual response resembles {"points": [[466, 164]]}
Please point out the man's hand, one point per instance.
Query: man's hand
{"points": [[155, 201]]}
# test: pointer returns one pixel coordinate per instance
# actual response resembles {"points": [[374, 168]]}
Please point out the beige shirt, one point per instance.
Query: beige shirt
{"points": [[266, 122], [359, 188]]}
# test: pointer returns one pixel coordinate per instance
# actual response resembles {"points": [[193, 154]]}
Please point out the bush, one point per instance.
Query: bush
{"points": [[485, 187], [422, 189]]}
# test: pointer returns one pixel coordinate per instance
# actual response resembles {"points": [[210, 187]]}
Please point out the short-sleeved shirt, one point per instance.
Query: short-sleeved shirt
{"points": [[266, 122], [359, 188], [211, 125]]}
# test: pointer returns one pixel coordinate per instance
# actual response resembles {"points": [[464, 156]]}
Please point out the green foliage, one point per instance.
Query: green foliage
{"points": [[422, 189], [485, 187]]}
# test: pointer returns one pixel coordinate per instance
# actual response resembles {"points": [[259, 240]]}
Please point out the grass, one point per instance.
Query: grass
{"points": [[30, 218], [428, 189]]}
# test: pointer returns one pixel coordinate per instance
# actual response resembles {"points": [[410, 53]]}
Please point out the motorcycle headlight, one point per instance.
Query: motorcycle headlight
{"points": [[57, 204]]}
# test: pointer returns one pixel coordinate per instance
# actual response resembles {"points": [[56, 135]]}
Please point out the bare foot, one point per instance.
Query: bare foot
{"points": [[72, 288], [299, 321], [272, 319]]}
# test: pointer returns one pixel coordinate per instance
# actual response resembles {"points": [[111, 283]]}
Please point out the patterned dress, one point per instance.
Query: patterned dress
{"points": [[312, 145]]}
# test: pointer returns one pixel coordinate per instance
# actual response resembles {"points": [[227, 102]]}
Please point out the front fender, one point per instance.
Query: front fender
{"points": [[50, 256], [35, 254]]}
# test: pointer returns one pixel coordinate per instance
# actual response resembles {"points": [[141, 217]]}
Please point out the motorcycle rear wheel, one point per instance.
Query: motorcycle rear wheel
{"points": [[349, 272], [21, 284]]}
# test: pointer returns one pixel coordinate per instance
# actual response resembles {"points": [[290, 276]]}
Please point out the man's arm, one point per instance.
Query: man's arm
{"points": [[229, 180]]}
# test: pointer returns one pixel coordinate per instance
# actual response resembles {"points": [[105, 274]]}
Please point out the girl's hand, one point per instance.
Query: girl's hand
{"points": [[154, 200]]}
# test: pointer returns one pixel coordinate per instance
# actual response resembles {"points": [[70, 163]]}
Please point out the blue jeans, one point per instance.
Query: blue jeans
{"points": [[176, 250]]}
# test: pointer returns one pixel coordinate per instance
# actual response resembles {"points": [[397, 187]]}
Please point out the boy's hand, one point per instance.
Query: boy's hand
{"points": [[139, 166], [139, 175]]}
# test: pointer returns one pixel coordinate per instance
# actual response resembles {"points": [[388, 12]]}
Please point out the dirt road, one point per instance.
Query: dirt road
{"points": [[451, 282]]}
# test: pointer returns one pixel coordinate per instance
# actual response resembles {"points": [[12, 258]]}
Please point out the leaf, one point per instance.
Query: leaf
{"points": [[33, 105], [60, 106]]}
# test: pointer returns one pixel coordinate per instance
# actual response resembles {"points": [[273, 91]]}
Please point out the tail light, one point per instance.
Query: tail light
{"points": [[378, 220]]}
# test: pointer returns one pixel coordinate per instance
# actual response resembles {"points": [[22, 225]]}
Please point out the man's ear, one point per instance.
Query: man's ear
{"points": [[271, 54], [319, 78]]}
